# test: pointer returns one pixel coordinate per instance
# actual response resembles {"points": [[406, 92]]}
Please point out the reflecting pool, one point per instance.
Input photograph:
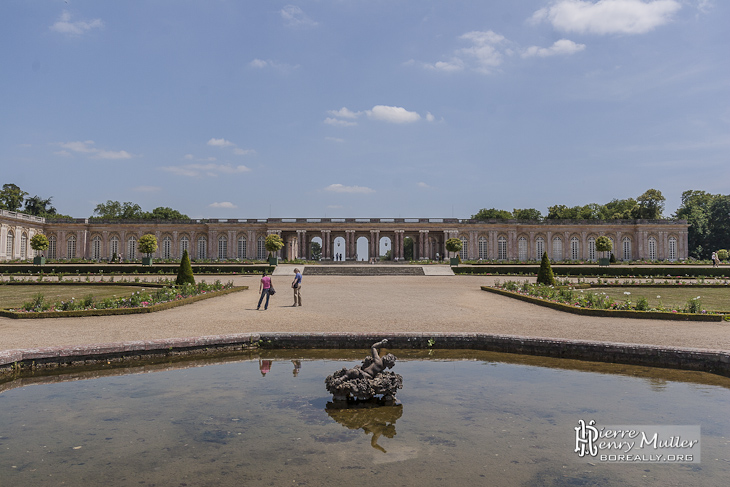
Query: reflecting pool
{"points": [[462, 418]]}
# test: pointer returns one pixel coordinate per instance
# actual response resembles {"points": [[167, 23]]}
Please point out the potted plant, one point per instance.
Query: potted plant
{"points": [[454, 245], [147, 245], [273, 244], [39, 242], [603, 244]]}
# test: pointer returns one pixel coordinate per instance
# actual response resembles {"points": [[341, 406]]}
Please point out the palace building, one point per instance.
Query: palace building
{"points": [[243, 239]]}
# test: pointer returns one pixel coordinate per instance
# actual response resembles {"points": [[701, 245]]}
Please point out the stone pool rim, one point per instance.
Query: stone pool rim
{"points": [[694, 359]]}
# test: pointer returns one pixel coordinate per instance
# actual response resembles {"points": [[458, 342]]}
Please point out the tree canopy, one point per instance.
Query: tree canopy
{"points": [[11, 197], [114, 210]]}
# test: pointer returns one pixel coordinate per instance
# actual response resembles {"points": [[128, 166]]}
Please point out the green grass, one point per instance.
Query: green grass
{"points": [[672, 297], [14, 296]]}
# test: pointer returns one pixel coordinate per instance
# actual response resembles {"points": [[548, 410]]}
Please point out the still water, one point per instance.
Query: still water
{"points": [[463, 418]]}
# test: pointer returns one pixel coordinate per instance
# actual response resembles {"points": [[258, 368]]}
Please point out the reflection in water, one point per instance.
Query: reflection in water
{"points": [[265, 366], [374, 417], [297, 367]]}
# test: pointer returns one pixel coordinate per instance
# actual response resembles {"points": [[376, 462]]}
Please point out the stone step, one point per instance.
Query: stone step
{"points": [[363, 270]]}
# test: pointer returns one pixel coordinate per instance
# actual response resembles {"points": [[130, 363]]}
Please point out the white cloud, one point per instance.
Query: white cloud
{"points": [[335, 139], [243, 152], [222, 204], [339, 188], [341, 123], [212, 170], [561, 47], [63, 153], [220, 143], [430, 117], [607, 16], [344, 112], [86, 147], [423, 185], [268, 63], [189, 157], [147, 189], [64, 25], [295, 17], [392, 114], [486, 52]]}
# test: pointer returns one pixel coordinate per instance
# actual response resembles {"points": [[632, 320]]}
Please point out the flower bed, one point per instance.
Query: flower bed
{"points": [[139, 302], [567, 298]]}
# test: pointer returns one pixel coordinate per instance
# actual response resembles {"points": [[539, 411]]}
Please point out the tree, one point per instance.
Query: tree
{"points": [[651, 204], [695, 208], [619, 209], [147, 244], [491, 214], [114, 210], [545, 274], [185, 272], [39, 242], [453, 245], [530, 214], [719, 223], [11, 197], [408, 248], [273, 243], [164, 213], [37, 206], [316, 251]]}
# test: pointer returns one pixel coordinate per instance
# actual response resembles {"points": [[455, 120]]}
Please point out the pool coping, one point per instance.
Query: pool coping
{"points": [[37, 359]]}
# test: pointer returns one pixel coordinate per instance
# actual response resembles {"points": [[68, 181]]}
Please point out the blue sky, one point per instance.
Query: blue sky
{"points": [[354, 108]]}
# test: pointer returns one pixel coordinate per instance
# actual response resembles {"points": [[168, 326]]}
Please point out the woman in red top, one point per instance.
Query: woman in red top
{"points": [[264, 289]]}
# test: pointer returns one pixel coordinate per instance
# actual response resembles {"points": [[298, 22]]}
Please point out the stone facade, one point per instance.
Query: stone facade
{"points": [[244, 239]]}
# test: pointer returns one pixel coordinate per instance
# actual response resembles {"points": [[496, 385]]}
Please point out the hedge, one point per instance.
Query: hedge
{"points": [[607, 313], [654, 271], [100, 268], [119, 311]]}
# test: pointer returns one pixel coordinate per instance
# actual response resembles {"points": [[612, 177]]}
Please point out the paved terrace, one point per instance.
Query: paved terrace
{"points": [[387, 304]]}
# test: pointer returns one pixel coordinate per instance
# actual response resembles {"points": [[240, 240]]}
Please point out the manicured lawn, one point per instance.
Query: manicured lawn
{"points": [[675, 297], [13, 296]]}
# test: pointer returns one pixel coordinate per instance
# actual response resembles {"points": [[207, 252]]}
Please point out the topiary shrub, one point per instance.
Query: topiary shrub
{"points": [[722, 254], [185, 272], [545, 274]]}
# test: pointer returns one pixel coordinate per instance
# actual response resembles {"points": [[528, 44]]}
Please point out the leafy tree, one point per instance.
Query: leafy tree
{"points": [[273, 243], [147, 244], [492, 213], [316, 251], [453, 245], [114, 210], [37, 206], [164, 213], [185, 272], [545, 274], [719, 222], [11, 197], [408, 248], [527, 214], [695, 208], [39, 242], [619, 209], [651, 204]]}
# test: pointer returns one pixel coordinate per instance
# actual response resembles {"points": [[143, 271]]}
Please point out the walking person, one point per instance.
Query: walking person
{"points": [[265, 290], [714, 259], [297, 287]]}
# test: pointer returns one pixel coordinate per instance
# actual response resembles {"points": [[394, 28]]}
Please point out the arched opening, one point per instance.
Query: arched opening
{"points": [[363, 249], [385, 247], [338, 246], [315, 248], [408, 251]]}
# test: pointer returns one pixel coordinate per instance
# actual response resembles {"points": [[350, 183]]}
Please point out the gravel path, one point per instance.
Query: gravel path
{"points": [[448, 304]]}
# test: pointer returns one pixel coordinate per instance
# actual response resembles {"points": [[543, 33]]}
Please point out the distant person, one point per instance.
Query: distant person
{"points": [[297, 287], [265, 290], [714, 259]]}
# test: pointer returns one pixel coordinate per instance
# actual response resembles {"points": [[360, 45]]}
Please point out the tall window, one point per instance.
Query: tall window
{"points": [[672, 248], [71, 247], [167, 247], [539, 248], [261, 248], [9, 245], [184, 245], [574, 248], [52, 247], [132, 248], [652, 248], [591, 248], [557, 248], [502, 248], [464, 248], [222, 248], [522, 248], [483, 248], [23, 245], [96, 248], [114, 246], [202, 247], [241, 248], [626, 248]]}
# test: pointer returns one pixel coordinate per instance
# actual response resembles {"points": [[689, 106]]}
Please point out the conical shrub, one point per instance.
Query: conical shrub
{"points": [[185, 272], [545, 274]]}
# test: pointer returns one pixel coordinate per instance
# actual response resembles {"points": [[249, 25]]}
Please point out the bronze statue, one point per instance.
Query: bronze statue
{"points": [[368, 380]]}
